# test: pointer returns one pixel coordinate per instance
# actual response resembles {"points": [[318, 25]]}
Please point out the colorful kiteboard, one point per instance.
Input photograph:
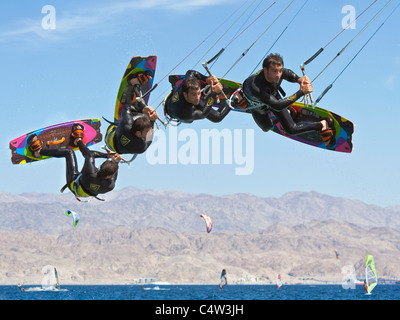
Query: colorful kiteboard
{"points": [[54, 137], [343, 128], [137, 64]]}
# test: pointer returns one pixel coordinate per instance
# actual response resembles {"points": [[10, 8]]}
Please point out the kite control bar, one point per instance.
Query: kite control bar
{"points": [[204, 64], [216, 56], [140, 98], [109, 152], [304, 73]]}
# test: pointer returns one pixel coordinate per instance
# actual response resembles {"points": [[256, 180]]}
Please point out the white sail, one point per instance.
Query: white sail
{"points": [[224, 279], [57, 281], [278, 281], [50, 278]]}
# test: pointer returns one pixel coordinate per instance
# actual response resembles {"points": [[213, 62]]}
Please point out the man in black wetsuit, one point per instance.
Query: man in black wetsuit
{"points": [[90, 181], [264, 88], [134, 132], [185, 104]]}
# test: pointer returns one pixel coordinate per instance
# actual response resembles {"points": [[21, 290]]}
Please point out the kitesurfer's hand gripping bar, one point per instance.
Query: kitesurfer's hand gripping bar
{"points": [[303, 70], [141, 99], [302, 67], [109, 152], [204, 64]]}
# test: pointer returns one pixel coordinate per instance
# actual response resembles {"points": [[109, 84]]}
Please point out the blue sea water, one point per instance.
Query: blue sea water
{"points": [[200, 292], [157, 302]]}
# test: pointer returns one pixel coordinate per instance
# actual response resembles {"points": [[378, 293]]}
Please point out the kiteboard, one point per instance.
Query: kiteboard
{"points": [[137, 64], [54, 137]]}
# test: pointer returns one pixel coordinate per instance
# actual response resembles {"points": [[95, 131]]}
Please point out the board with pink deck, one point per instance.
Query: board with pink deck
{"points": [[54, 137]]}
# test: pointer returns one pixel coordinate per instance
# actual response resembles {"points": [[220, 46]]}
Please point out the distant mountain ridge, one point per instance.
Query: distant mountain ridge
{"points": [[140, 233], [172, 210]]}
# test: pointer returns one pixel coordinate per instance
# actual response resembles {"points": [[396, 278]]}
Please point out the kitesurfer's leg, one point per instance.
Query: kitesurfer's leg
{"points": [[70, 159], [68, 154], [262, 119], [89, 165], [291, 127]]}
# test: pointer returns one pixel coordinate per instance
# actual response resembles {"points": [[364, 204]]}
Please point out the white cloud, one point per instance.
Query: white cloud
{"points": [[85, 17]]}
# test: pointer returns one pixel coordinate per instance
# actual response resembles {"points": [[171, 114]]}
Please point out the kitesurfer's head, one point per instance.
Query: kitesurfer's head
{"points": [[191, 90], [108, 169], [142, 127], [272, 67]]}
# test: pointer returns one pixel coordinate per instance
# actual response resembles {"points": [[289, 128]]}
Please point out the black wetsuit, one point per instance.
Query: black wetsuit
{"points": [[178, 108], [258, 91], [88, 179], [123, 138]]}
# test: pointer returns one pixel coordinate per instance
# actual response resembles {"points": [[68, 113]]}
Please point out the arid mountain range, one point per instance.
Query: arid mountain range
{"points": [[143, 233]]}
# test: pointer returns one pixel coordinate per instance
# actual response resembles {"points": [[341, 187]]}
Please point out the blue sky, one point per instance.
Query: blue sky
{"points": [[74, 71]]}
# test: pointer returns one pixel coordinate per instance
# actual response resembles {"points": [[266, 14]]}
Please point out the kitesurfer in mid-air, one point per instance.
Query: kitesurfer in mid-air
{"points": [[185, 102], [90, 181], [264, 88], [134, 132]]}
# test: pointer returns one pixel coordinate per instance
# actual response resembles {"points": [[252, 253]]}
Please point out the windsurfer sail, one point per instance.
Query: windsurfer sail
{"points": [[57, 285], [278, 281], [50, 280], [224, 280], [371, 279]]}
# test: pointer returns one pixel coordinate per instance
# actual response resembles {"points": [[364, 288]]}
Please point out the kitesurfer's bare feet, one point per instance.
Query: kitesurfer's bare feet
{"points": [[77, 134], [324, 125], [239, 101], [239, 98], [328, 132], [34, 145]]}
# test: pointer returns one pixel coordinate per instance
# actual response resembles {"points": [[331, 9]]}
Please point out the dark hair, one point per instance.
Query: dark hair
{"points": [[107, 168], [274, 58], [141, 123], [191, 83]]}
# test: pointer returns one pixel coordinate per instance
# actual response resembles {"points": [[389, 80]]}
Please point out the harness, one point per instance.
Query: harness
{"points": [[77, 189], [166, 115], [206, 91], [109, 138], [112, 128]]}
